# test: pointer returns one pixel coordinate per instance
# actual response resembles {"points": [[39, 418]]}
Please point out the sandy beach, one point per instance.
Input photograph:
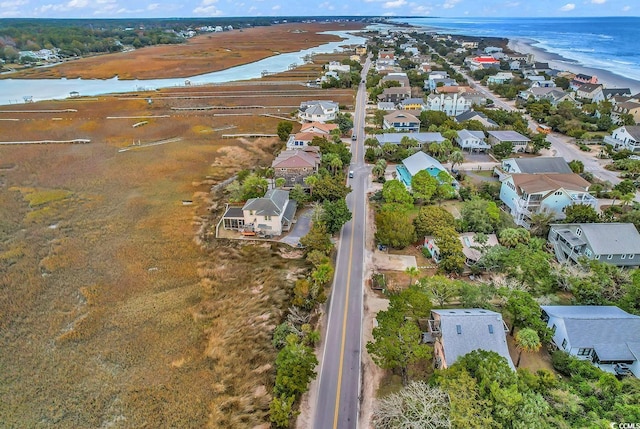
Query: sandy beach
{"points": [[607, 78]]}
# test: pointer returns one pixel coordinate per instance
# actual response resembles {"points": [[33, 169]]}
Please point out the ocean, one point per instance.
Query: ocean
{"points": [[608, 43]]}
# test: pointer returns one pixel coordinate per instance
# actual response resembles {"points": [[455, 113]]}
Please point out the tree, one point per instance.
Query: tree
{"points": [[527, 340], [394, 227], [412, 272], [431, 219], [511, 237], [317, 239], [479, 215], [311, 181], [281, 410], [299, 194], [379, 169], [576, 166], [625, 187], [335, 214], [524, 311], [502, 150], [330, 188], [450, 250], [456, 158], [417, 405], [441, 288], [581, 213], [538, 142], [295, 368], [280, 182], [394, 191], [284, 129], [254, 186], [423, 185]]}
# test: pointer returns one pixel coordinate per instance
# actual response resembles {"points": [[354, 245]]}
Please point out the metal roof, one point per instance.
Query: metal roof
{"points": [[549, 164], [422, 138], [466, 330], [609, 238], [509, 136], [421, 161]]}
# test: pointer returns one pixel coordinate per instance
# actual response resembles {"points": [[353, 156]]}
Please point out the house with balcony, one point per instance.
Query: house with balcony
{"points": [[581, 79], [554, 95], [614, 243], [271, 214], [456, 332], [539, 165], [625, 108], [401, 120], [318, 111], [500, 78], [604, 335], [395, 94], [296, 165], [472, 115], [519, 141], [473, 141], [627, 137], [413, 104], [591, 92], [451, 104], [527, 194], [401, 78]]}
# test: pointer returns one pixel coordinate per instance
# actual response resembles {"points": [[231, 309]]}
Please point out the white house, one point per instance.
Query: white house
{"points": [[473, 141], [452, 104], [421, 138], [500, 78], [627, 137], [528, 194], [337, 66], [519, 141], [318, 111], [604, 335]]}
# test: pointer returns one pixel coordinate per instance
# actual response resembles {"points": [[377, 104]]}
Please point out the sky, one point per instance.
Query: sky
{"points": [[222, 8]]}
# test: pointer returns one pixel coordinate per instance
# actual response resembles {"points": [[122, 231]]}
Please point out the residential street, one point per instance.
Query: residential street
{"points": [[338, 394]]}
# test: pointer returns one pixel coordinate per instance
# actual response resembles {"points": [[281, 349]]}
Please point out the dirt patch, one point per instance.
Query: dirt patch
{"points": [[201, 54]]}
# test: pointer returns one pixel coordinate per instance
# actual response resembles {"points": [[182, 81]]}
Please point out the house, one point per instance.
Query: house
{"points": [[500, 78], [271, 214], [614, 243], [452, 104], [539, 67], [474, 141], [590, 91], [301, 140], [401, 78], [423, 139], [527, 194], [318, 128], [554, 95], [515, 65], [456, 332], [387, 106], [604, 335], [295, 165], [417, 162], [318, 111], [474, 97], [395, 94], [401, 120], [267, 216], [540, 165], [625, 108], [519, 141], [472, 115], [581, 79], [609, 93], [472, 250], [543, 84], [627, 137], [478, 63], [361, 50], [413, 104], [337, 66]]}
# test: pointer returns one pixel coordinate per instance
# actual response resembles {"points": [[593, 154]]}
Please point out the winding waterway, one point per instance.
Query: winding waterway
{"points": [[12, 91]]}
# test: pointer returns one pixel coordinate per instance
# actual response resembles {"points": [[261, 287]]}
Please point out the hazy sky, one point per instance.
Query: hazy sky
{"points": [[210, 8]]}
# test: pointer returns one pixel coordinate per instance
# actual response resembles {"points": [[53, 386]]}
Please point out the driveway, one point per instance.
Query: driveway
{"points": [[385, 261], [300, 228]]}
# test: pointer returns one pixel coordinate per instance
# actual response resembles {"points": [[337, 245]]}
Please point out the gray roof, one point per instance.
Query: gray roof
{"points": [[421, 161], [422, 138], [465, 134], [609, 238], [607, 329], [509, 136], [475, 329], [290, 210], [472, 114], [233, 212], [412, 101], [549, 164], [272, 204], [634, 131], [611, 92]]}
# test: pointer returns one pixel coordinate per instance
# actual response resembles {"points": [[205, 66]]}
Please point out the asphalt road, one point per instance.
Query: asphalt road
{"points": [[338, 396]]}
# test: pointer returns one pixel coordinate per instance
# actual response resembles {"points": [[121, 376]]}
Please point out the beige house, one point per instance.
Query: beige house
{"points": [[267, 216], [295, 165]]}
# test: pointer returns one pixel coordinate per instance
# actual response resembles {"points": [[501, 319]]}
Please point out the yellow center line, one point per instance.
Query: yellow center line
{"points": [[344, 328]]}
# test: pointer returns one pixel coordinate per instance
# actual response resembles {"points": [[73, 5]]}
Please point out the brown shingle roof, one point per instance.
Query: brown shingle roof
{"points": [[327, 128], [534, 183]]}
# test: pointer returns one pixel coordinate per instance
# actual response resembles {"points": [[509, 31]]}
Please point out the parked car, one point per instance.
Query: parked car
{"points": [[622, 369]]}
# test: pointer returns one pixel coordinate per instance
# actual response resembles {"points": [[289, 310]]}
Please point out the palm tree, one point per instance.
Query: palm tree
{"points": [[269, 173], [527, 340], [336, 164], [510, 237], [614, 194], [627, 198], [311, 181], [412, 272], [280, 182], [456, 157], [377, 171]]}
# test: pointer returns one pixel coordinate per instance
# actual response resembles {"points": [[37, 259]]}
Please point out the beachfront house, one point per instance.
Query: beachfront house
{"points": [[417, 162], [614, 243], [401, 120], [527, 194], [603, 335], [456, 332], [591, 92], [519, 141], [626, 137], [318, 111], [473, 141]]}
